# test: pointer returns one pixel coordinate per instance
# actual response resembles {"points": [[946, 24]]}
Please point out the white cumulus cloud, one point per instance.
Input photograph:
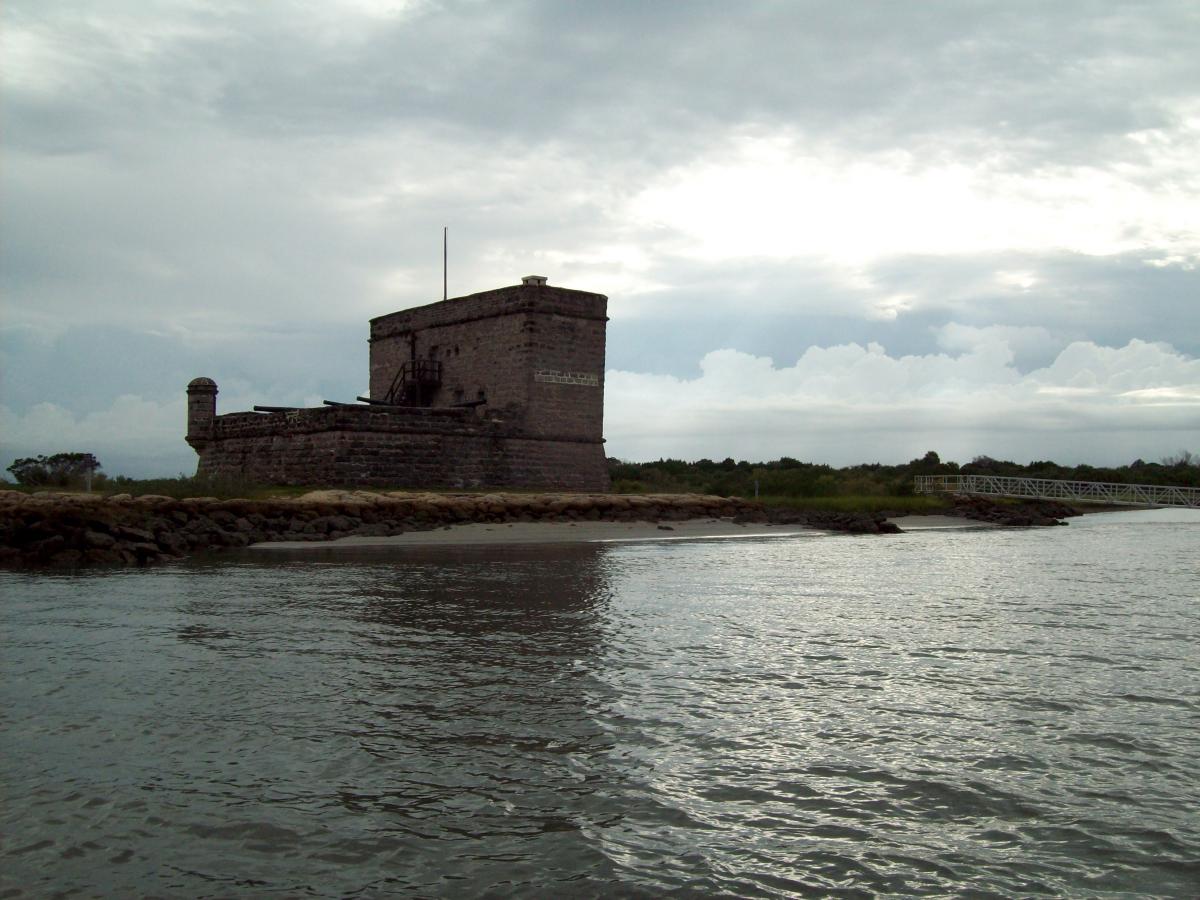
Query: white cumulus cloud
{"points": [[849, 403]]}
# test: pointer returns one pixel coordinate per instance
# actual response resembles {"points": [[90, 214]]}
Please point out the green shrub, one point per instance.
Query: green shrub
{"points": [[62, 470]]}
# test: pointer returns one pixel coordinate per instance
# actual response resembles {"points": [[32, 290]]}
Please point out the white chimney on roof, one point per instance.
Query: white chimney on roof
{"points": [[538, 280]]}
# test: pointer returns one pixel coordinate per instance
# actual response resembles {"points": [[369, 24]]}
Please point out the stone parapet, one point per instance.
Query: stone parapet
{"points": [[518, 299], [315, 419]]}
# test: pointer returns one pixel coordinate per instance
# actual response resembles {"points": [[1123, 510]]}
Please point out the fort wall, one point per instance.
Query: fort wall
{"points": [[518, 403], [352, 445]]}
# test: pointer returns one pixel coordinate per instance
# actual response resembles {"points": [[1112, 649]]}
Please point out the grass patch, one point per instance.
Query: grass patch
{"points": [[185, 486], [180, 488]]}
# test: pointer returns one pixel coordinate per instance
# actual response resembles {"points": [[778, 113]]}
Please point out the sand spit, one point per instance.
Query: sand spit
{"points": [[476, 533]]}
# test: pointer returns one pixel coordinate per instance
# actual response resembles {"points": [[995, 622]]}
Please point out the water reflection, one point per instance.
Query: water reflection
{"points": [[454, 691], [474, 592]]}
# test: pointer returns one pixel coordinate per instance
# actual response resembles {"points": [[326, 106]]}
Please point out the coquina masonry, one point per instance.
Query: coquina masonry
{"points": [[503, 388]]}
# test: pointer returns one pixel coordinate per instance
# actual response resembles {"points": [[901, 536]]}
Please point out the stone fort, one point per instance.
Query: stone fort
{"points": [[503, 388]]}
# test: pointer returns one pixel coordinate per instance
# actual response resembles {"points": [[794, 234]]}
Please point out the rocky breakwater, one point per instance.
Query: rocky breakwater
{"points": [[826, 520], [67, 530], [1025, 512]]}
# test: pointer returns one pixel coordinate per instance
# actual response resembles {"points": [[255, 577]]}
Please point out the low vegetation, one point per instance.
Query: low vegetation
{"points": [[180, 487], [785, 482], [867, 487]]}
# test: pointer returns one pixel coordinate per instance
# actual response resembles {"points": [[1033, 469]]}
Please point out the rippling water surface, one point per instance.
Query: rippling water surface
{"points": [[969, 713]]}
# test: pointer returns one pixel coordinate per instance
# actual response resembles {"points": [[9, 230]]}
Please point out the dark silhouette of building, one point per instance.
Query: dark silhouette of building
{"points": [[503, 388]]}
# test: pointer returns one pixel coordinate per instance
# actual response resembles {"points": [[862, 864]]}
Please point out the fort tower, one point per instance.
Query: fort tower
{"points": [[201, 411], [533, 352]]}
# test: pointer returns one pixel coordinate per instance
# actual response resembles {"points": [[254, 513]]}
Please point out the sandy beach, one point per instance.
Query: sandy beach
{"points": [[550, 533], [586, 532], [924, 523]]}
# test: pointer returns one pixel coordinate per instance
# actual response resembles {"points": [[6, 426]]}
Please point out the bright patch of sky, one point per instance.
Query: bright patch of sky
{"points": [[776, 197]]}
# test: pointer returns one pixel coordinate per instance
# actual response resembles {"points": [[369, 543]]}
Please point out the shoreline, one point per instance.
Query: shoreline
{"points": [[71, 530], [509, 533], [482, 534], [63, 530]]}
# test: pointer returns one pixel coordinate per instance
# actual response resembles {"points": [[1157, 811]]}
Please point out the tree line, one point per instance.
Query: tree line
{"points": [[788, 477], [784, 477]]}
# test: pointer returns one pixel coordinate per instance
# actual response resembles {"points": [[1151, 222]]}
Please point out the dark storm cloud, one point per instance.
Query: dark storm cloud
{"points": [[1054, 79]]}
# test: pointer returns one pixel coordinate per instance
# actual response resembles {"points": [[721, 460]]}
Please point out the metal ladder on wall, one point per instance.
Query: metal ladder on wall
{"points": [[413, 382]]}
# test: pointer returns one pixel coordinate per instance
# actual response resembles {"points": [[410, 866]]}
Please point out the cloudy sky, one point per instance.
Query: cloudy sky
{"points": [[839, 231]]}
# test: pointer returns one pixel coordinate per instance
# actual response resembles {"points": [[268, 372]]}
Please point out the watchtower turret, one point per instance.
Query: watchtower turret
{"points": [[201, 412]]}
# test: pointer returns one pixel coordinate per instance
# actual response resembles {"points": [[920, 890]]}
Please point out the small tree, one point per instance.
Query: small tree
{"points": [[1181, 460], [59, 470]]}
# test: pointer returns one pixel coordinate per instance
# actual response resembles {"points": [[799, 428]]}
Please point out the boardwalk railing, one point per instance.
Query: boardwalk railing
{"points": [[1053, 489]]}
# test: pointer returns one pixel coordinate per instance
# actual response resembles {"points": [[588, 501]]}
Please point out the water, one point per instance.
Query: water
{"points": [[959, 713]]}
